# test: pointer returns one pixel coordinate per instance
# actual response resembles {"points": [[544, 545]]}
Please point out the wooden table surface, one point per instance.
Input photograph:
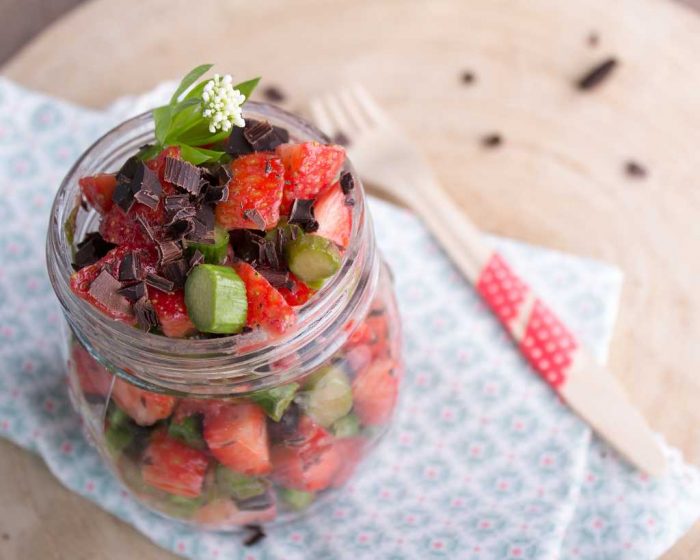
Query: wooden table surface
{"points": [[558, 179]]}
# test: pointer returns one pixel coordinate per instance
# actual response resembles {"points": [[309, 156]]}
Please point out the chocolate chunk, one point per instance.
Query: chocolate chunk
{"points": [[635, 169], [183, 213], [217, 174], [492, 140], [246, 244], [145, 185], [215, 193], [176, 272], [197, 258], [347, 182], [282, 134], [182, 174], [236, 144], [593, 39], [146, 227], [254, 216], [205, 214], [123, 196], [160, 283], [597, 75], [257, 534], [302, 214], [169, 251], [145, 314], [126, 172], [267, 254], [105, 288], [278, 278], [468, 77], [133, 292], [273, 94], [180, 229], [91, 249], [261, 136], [131, 270]]}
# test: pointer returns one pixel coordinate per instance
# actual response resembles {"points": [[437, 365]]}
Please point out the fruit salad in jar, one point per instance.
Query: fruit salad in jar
{"points": [[233, 340]]}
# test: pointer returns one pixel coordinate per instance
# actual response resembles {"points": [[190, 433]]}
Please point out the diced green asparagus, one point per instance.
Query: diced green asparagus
{"points": [[276, 400]]}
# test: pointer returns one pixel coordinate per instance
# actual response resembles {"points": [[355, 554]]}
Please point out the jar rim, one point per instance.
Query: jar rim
{"points": [[231, 358]]}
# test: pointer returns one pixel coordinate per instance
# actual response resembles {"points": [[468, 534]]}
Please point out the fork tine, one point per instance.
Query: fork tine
{"points": [[337, 112], [354, 110], [320, 116], [368, 104]]}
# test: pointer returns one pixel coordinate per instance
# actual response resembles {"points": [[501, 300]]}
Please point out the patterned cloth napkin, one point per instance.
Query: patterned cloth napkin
{"points": [[484, 462]]}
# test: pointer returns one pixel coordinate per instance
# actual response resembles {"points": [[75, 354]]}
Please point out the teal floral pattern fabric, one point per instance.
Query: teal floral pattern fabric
{"points": [[483, 461]]}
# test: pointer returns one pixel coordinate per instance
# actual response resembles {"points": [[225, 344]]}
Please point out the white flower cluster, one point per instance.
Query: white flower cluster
{"points": [[222, 104]]}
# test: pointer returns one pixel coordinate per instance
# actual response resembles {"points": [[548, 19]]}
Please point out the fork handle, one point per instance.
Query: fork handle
{"points": [[542, 338]]}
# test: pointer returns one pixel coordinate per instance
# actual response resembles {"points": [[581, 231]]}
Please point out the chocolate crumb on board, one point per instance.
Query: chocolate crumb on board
{"points": [[468, 77], [597, 75], [274, 94], [5, 537], [492, 140], [257, 534], [635, 169], [593, 39], [340, 138]]}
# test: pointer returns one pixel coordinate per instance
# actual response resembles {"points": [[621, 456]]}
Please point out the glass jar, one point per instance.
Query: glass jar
{"points": [[242, 429]]}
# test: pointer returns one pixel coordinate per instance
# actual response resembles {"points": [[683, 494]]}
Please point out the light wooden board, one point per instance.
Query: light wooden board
{"points": [[558, 180]]}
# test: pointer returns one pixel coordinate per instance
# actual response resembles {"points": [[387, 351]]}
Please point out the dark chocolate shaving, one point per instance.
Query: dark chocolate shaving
{"points": [[126, 171], [169, 251], [302, 214], [130, 270], [277, 278], [176, 272], [236, 144], [180, 229], [257, 534], [217, 175], [133, 292], [123, 196], [196, 259], [91, 249], [183, 213], [182, 174], [597, 75], [347, 182], [261, 136], [254, 216], [273, 94], [492, 140], [246, 244], [175, 202], [145, 314], [215, 193], [146, 227], [105, 289], [160, 283]]}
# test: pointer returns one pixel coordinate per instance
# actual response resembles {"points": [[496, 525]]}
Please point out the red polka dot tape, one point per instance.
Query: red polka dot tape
{"points": [[501, 289]]}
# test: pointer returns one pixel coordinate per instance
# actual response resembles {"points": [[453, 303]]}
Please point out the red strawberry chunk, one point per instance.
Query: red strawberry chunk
{"points": [[309, 168], [94, 378], [267, 308], [351, 450], [118, 227], [98, 191], [174, 467], [172, 313], [375, 391], [237, 436], [81, 280], [334, 217], [144, 407], [296, 292], [257, 184]]}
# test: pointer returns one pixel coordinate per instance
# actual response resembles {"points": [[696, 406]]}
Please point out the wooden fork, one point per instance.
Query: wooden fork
{"points": [[387, 160]]}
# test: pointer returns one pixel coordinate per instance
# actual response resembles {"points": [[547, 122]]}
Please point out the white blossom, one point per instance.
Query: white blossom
{"points": [[222, 104]]}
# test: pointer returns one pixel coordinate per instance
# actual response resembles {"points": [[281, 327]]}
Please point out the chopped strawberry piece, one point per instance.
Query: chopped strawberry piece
{"points": [[266, 306], [81, 280], [222, 513], [334, 217], [237, 436], [98, 191], [296, 292], [350, 450], [94, 378], [309, 168], [174, 467], [256, 186], [118, 227], [172, 313], [374, 391], [144, 407]]}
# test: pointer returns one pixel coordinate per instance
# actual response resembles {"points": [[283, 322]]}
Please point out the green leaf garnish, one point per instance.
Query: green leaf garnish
{"points": [[190, 79], [187, 120]]}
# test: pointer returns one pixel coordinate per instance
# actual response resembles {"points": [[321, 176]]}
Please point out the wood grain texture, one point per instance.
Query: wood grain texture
{"points": [[558, 180]]}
